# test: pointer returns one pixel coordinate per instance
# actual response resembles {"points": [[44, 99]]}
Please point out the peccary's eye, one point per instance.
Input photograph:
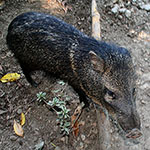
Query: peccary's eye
{"points": [[134, 91], [109, 96], [112, 94]]}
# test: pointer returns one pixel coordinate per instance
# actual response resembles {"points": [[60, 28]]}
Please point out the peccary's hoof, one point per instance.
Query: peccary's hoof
{"points": [[34, 84]]}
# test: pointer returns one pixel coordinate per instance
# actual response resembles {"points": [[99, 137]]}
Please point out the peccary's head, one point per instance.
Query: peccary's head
{"points": [[118, 78]]}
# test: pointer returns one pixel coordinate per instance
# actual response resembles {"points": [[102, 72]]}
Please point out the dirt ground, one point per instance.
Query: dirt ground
{"points": [[17, 97]]}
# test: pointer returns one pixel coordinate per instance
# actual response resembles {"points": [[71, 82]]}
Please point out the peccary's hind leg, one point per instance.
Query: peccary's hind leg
{"points": [[27, 72]]}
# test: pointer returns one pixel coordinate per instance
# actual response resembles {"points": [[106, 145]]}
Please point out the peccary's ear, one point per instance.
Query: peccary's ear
{"points": [[97, 62]]}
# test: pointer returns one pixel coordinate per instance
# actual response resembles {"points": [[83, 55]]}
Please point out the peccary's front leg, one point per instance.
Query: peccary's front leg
{"points": [[83, 97], [27, 72]]}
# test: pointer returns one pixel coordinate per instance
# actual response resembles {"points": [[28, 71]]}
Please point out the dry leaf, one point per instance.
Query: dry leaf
{"points": [[78, 110], [22, 119], [74, 119], [10, 77], [75, 125], [18, 128]]}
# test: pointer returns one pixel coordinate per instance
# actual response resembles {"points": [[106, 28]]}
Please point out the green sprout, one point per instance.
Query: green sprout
{"points": [[56, 102], [41, 96]]}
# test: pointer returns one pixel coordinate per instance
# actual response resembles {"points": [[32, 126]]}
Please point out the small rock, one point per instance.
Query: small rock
{"points": [[79, 23], [143, 102], [111, 131], [83, 137], [145, 7], [13, 138], [128, 3], [120, 17], [63, 139], [39, 146], [128, 13], [19, 111], [81, 145], [134, 2], [115, 9], [132, 33], [122, 10], [82, 30], [9, 54], [78, 138]]}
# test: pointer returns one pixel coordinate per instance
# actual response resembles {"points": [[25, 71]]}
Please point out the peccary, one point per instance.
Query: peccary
{"points": [[95, 69]]}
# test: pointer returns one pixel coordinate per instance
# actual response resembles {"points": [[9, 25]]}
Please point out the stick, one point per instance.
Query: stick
{"points": [[96, 30], [102, 118]]}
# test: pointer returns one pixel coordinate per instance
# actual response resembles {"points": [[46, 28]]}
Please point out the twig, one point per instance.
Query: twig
{"points": [[96, 30], [102, 118]]}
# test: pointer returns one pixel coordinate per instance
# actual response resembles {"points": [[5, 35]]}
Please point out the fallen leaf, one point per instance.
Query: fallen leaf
{"points": [[22, 119], [75, 126], [18, 128], [74, 119], [10, 77]]}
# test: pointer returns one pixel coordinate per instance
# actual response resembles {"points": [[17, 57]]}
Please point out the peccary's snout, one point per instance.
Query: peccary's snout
{"points": [[126, 113], [130, 122]]}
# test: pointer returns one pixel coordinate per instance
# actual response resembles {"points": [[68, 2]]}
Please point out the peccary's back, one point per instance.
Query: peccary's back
{"points": [[43, 42]]}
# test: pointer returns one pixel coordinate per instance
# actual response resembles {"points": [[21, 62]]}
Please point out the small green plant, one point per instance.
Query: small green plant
{"points": [[65, 128], [41, 96], [63, 115], [56, 102]]}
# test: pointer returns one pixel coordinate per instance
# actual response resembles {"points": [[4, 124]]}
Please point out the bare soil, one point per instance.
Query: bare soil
{"points": [[16, 97]]}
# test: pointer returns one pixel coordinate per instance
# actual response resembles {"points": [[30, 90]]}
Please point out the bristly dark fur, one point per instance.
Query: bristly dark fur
{"points": [[43, 42]]}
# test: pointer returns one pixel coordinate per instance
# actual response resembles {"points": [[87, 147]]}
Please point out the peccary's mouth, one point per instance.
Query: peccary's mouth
{"points": [[134, 133]]}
